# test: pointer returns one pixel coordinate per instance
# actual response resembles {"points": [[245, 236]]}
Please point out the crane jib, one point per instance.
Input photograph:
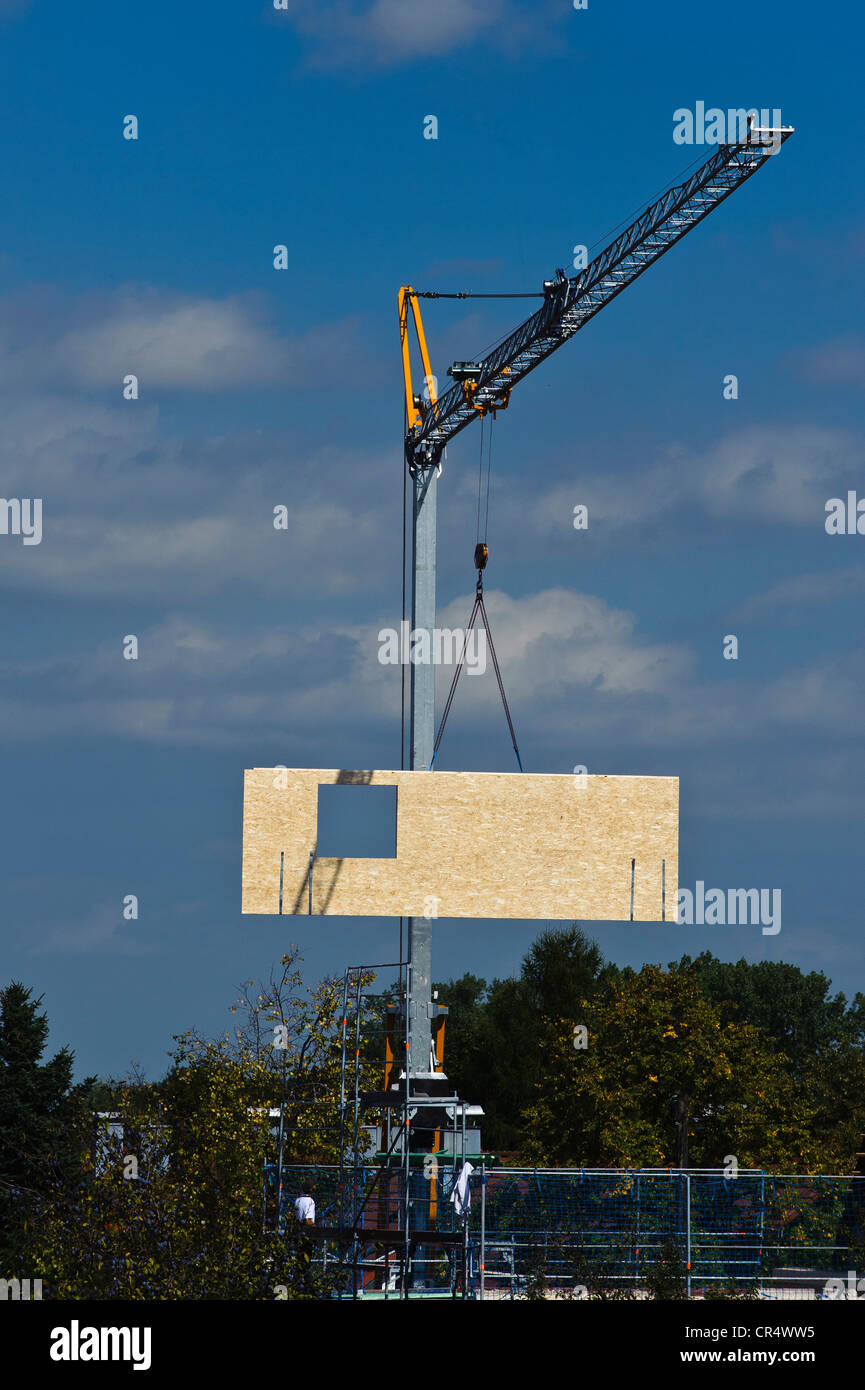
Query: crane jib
{"points": [[572, 302]]}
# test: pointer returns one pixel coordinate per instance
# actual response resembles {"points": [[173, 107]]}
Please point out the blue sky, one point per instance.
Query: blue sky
{"points": [[261, 387]]}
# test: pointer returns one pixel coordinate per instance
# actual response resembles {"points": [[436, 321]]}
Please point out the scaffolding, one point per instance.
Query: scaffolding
{"points": [[395, 1224]]}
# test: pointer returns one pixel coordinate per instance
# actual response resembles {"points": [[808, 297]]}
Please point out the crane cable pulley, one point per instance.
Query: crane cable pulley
{"points": [[480, 560]]}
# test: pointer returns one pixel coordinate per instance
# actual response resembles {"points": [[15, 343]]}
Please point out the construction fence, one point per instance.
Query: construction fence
{"points": [[590, 1233]]}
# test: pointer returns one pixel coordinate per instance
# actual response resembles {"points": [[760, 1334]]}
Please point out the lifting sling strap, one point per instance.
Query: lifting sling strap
{"points": [[479, 608]]}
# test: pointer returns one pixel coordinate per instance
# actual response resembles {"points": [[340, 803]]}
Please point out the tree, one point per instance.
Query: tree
{"points": [[494, 1034], [791, 1007], [560, 966], [170, 1204], [821, 1034], [293, 1036], [655, 1045], [40, 1144]]}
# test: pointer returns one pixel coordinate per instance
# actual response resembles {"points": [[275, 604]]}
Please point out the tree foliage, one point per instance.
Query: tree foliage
{"points": [[494, 1049], [653, 1038], [40, 1145], [170, 1205], [293, 1033], [755, 1060], [167, 1199], [794, 1009]]}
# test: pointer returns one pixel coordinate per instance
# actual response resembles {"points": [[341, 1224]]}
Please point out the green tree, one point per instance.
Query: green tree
{"points": [[170, 1206], [665, 1278], [170, 1202], [292, 1033], [821, 1034], [494, 1038], [834, 1081], [40, 1110], [795, 1009], [656, 1045], [559, 968]]}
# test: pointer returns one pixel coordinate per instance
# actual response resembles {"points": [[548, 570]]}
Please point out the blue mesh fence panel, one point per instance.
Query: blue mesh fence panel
{"points": [[615, 1228]]}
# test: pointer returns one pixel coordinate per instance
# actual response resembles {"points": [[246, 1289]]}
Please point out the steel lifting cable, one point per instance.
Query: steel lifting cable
{"points": [[402, 628], [402, 669], [478, 608], [481, 553], [480, 477], [483, 538], [467, 294]]}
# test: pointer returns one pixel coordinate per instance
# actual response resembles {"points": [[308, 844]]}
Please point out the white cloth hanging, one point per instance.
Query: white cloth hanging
{"points": [[461, 1195]]}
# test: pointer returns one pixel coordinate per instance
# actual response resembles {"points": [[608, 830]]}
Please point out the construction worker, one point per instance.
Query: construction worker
{"points": [[304, 1206], [304, 1212]]}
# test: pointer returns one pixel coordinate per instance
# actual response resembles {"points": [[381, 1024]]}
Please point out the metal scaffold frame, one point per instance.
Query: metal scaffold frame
{"points": [[402, 1104], [425, 1221]]}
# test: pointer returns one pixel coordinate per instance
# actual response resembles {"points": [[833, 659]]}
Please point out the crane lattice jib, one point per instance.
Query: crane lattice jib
{"points": [[571, 302]]}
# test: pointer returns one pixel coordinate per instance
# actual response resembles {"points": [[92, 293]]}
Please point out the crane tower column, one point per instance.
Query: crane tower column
{"points": [[423, 616]]}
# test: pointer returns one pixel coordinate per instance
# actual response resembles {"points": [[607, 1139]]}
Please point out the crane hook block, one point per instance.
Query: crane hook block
{"points": [[481, 555]]}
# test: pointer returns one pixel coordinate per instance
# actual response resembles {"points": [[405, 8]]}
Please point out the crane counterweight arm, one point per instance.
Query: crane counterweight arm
{"points": [[414, 405], [569, 303]]}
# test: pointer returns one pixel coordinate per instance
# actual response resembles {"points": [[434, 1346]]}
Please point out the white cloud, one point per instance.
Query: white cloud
{"points": [[381, 33], [560, 642], [825, 696], [771, 475], [169, 341], [128, 514], [775, 474], [201, 683], [413, 28], [579, 676], [197, 683]]}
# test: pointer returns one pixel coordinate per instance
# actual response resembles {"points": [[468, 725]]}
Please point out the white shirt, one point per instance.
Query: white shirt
{"points": [[304, 1208]]}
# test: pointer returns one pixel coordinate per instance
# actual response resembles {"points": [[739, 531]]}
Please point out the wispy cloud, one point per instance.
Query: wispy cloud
{"points": [[128, 513], [837, 362], [771, 474], [170, 341], [205, 682], [197, 682], [102, 929], [383, 33], [801, 590], [580, 676]]}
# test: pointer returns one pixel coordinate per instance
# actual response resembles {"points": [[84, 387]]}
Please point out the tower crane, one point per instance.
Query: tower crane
{"points": [[484, 386]]}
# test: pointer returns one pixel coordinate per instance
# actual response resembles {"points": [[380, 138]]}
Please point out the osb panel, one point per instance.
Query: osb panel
{"points": [[482, 844]]}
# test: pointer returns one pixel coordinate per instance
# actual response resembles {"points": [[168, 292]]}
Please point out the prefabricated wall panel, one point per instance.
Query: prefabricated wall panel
{"points": [[471, 844]]}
